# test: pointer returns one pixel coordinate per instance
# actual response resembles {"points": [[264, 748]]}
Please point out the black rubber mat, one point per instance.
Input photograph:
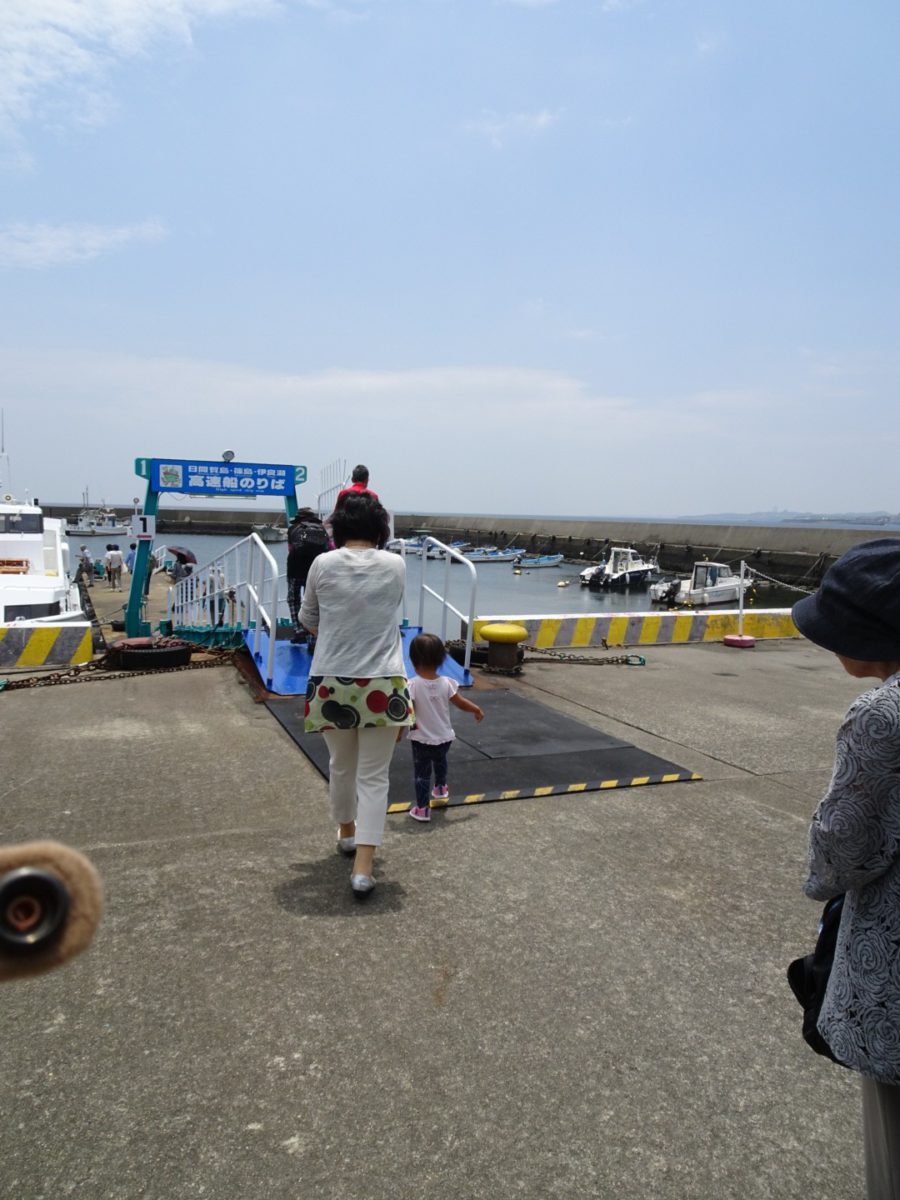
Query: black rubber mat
{"points": [[521, 749]]}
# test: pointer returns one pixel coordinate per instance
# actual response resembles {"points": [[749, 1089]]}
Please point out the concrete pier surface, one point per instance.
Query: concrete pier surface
{"points": [[577, 996]]}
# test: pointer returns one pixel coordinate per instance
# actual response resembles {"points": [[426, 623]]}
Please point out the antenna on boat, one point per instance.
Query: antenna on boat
{"points": [[5, 484]]}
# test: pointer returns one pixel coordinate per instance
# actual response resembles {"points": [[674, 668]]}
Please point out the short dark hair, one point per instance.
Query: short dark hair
{"points": [[360, 516], [360, 474], [427, 650]]}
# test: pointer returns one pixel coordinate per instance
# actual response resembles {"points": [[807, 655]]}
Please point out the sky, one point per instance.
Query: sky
{"points": [[581, 257]]}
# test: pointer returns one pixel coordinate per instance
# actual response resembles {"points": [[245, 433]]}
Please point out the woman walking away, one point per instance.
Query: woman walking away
{"points": [[357, 696], [432, 695], [854, 841]]}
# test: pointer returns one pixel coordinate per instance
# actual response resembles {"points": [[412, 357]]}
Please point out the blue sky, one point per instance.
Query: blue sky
{"points": [[544, 256]]}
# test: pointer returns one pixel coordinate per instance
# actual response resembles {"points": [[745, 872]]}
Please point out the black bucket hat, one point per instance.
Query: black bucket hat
{"points": [[856, 611]]}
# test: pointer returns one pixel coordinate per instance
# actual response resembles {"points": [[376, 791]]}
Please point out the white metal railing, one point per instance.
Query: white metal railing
{"points": [[443, 563], [331, 479], [238, 589]]}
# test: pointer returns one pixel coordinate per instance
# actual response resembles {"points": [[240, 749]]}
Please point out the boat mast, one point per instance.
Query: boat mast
{"points": [[5, 476]]}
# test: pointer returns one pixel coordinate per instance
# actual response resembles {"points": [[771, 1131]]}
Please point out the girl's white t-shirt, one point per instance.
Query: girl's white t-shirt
{"points": [[431, 701]]}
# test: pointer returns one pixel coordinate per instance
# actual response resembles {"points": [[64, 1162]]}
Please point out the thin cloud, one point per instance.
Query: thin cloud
{"points": [[708, 44], [499, 128], [48, 47], [39, 246]]}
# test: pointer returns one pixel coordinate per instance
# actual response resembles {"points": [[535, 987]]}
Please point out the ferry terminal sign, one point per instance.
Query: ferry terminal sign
{"points": [[210, 478]]}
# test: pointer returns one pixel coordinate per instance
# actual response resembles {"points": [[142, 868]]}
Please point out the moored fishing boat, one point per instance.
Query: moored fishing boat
{"points": [[96, 522]]}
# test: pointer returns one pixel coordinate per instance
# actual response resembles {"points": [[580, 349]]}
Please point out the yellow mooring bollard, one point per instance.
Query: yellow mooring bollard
{"points": [[503, 639]]}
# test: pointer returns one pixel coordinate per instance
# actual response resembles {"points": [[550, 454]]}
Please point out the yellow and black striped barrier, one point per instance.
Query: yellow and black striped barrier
{"points": [[555, 789], [45, 645], [646, 628]]}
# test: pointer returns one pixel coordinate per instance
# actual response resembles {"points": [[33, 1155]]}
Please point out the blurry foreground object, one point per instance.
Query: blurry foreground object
{"points": [[51, 900]]}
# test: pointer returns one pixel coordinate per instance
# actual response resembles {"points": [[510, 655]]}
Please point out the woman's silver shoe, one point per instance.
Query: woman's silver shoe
{"points": [[347, 845], [362, 884]]}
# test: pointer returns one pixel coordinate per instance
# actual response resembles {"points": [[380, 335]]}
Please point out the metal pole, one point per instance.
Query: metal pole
{"points": [[134, 626], [421, 620], [741, 602]]}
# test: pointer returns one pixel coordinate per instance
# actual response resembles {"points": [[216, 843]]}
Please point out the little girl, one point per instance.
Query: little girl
{"points": [[432, 733]]}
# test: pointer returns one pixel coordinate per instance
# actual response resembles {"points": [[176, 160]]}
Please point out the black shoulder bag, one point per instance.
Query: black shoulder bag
{"points": [[808, 976]]}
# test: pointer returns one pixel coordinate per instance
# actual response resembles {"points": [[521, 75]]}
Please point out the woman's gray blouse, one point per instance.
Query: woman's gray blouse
{"points": [[854, 847]]}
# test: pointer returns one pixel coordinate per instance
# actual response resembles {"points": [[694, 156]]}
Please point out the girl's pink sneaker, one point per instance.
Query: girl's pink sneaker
{"points": [[440, 793], [420, 814]]}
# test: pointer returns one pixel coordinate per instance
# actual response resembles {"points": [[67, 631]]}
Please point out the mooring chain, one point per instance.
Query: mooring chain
{"points": [[791, 587], [622, 660], [92, 672]]}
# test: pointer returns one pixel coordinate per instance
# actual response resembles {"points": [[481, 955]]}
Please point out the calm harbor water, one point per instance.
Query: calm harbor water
{"points": [[499, 591]]}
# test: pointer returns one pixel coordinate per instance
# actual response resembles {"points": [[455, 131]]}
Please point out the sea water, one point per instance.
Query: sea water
{"points": [[500, 591]]}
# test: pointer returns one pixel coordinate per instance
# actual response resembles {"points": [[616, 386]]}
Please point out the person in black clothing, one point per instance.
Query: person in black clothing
{"points": [[307, 539]]}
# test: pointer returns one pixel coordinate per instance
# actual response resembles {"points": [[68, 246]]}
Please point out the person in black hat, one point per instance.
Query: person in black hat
{"points": [[854, 841], [307, 539]]}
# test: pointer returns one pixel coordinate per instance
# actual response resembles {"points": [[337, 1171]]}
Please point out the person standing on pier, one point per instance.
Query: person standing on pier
{"points": [[357, 696], [854, 841], [87, 565], [114, 563]]}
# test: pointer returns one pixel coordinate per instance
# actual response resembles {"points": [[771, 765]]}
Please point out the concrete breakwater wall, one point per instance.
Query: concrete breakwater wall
{"points": [[788, 552], [791, 552]]}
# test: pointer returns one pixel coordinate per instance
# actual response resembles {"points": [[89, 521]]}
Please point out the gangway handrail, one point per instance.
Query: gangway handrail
{"points": [[243, 579], [448, 553]]}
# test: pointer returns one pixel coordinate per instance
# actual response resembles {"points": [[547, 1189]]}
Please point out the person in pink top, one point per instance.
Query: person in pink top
{"points": [[432, 695]]}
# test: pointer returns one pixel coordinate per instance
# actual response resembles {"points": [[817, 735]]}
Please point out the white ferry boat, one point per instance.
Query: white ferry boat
{"points": [[35, 583]]}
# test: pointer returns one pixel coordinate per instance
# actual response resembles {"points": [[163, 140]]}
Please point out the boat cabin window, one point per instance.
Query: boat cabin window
{"points": [[21, 523], [706, 576], [30, 612]]}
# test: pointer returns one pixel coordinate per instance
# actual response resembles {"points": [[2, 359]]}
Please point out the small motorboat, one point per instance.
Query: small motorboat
{"points": [[539, 560], [437, 551], [270, 533], [709, 583], [490, 554], [625, 568]]}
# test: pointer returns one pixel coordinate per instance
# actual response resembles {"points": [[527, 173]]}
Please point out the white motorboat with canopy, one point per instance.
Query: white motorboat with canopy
{"points": [[709, 583]]}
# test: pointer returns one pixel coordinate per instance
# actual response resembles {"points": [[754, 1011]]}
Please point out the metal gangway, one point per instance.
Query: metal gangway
{"points": [[240, 597], [440, 561], [235, 594]]}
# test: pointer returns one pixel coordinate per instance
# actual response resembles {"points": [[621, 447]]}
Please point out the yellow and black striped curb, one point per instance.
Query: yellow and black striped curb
{"points": [[646, 628], [555, 789], [45, 645]]}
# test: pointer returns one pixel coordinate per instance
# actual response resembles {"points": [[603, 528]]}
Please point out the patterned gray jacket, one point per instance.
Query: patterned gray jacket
{"points": [[854, 847]]}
